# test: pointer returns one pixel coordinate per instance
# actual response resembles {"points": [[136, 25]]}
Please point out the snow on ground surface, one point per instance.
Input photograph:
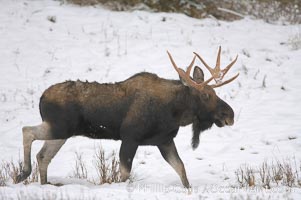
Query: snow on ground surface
{"points": [[95, 44]]}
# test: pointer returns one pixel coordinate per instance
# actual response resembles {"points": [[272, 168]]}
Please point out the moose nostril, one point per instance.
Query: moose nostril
{"points": [[229, 122]]}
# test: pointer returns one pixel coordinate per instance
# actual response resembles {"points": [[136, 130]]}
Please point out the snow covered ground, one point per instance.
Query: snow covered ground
{"points": [[96, 44]]}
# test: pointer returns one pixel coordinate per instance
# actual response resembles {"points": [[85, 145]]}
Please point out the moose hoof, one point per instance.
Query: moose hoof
{"points": [[57, 184], [186, 184], [126, 177], [22, 176]]}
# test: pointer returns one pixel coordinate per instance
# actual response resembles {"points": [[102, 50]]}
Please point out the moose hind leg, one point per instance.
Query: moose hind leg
{"points": [[170, 154], [44, 157], [31, 133]]}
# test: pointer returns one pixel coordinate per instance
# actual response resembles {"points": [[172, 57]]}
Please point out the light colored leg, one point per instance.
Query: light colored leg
{"points": [[170, 154], [31, 133], [44, 157]]}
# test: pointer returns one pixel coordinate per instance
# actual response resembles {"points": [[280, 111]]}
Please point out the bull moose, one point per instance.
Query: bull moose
{"points": [[142, 110]]}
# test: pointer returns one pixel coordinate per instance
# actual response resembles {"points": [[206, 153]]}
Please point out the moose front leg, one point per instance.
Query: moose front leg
{"points": [[126, 155], [170, 154]]}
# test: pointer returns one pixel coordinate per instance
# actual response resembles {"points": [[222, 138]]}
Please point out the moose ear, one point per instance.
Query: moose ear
{"points": [[198, 75]]}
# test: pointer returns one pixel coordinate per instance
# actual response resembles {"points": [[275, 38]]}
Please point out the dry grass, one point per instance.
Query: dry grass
{"points": [[4, 173], [268, 175], [107, 169], [80, 170], [10, 170], [245, 176], [265, 175], [286, 11]]}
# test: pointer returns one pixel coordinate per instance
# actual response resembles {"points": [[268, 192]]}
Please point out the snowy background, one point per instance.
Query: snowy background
{"points": [[95, 44]]}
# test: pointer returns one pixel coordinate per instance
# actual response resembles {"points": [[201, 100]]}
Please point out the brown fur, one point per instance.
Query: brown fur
{"points": [[142, 110]]}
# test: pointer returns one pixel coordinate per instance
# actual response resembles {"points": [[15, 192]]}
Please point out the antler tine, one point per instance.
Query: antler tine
{"points": [[216, 72], [204, 63], [224, 71], [186, 75], [180, 71], [225, 82], [206, 82], [190, 66], [218, 60]]}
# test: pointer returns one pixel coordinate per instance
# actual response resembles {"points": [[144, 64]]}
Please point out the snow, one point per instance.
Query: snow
{"points": [[95, 44]]}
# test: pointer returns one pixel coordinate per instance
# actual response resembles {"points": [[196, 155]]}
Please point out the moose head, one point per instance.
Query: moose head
{"points": [[210, 108]]}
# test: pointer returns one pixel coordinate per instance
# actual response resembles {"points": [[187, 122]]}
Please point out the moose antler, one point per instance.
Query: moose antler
{"points": [[186, 75], [216, 72]]}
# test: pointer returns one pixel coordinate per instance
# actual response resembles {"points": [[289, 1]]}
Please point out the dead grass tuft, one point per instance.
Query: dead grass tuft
{"points": [[80, 170], [4, 173], [107, 169], [267, 175], [271, 11], [10, 170]]}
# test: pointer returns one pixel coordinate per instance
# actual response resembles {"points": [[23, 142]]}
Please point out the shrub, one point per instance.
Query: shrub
{"points": [[107, 169], [269, 10], [80, 170]]}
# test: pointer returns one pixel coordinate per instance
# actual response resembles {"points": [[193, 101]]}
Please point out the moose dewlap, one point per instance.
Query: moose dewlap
{"points": [[142, 110]]}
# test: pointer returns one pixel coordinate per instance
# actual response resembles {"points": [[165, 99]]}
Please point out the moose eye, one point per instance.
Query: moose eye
{"points": [[206, 96]]}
